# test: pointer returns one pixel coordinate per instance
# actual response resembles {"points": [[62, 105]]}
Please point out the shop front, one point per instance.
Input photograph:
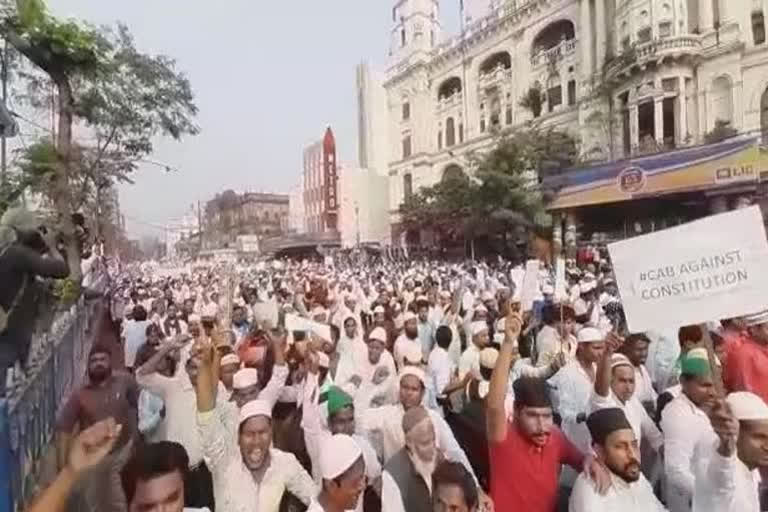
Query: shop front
{"points": [[603, 203]]}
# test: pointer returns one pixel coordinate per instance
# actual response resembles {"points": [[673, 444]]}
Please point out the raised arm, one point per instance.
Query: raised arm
{"points": [[603, 375], [496, 414]]}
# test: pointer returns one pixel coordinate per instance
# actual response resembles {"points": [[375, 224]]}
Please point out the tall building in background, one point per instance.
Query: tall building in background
{"points": [[321, 207], [372, 120], [296, 217]]}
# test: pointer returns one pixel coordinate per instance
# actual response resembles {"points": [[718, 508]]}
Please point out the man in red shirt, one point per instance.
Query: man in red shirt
{"points": [[747, 368], [525, 454]]}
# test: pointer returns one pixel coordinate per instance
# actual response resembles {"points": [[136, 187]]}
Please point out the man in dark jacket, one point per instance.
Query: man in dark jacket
{"points": [[25, 253]]}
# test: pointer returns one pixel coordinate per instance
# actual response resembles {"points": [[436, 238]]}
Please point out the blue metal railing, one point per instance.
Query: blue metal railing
{"points": [[28, 414]]}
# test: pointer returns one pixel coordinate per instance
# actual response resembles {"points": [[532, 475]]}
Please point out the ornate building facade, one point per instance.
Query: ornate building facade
{"points": [[627, 77]]}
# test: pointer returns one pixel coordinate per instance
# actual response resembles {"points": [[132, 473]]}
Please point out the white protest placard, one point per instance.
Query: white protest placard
{"points": [[705, 270], [321, 330], [296, 323], [530, 288], [517, 275]]}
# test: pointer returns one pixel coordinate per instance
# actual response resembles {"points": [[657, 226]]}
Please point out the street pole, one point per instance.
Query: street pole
{"points": [[199, 226], [357, 221], [4, 140]]}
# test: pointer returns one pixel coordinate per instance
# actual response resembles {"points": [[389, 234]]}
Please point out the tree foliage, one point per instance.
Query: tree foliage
{"points": [[721, 131], [123, 96], [502, 190]]}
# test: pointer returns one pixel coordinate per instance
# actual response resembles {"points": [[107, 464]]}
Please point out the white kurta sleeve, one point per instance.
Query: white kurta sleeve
{"points": [[299, 483], [679, 444], [391, 499], [271, 391], [448, 444]]}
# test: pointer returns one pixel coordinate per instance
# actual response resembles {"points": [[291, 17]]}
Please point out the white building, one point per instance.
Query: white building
{"points": [[296, 220], [661, 71], [373, 121], [363, 207], [180, 228]]}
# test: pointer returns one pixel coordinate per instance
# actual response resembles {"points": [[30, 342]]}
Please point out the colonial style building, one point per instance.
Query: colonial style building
{"points": [[628, 77], [229, 215]]}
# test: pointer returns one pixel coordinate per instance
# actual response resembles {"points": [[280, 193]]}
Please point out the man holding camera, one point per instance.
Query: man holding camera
{"points": [[26, 252]]}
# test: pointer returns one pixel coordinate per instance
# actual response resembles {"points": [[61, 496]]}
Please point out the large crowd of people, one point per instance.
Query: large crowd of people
{"points": [[406, 386]]}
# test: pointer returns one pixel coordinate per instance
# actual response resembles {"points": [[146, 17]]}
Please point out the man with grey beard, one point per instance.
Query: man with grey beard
{"points": [[407, 477]]}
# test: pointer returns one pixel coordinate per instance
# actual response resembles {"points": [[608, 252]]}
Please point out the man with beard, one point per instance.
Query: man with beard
{"points": [[342, 467], [373, 367], [409, 337], [173, 325], [240, 325], [407, 477], [105, 395], [470, 359], [731, 479], [253, 476], [636, 349], [425, 328], [747, 367], [617, 449], [387, 419]]}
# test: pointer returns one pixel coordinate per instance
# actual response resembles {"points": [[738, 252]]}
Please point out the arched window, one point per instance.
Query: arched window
{"points": [[453, 172], [722, 100], [439, 140], [449, 87], [553, 35], [450, 132], [496, 61]]}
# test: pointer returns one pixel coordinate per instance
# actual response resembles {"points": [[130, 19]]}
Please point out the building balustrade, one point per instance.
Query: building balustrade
{"points": [[642, 54], [557, 53]]}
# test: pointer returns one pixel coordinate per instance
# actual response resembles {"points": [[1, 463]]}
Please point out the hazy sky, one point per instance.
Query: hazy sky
{"points": [[268, 76]]}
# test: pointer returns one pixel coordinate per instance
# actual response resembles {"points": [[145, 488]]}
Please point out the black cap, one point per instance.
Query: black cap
{"points": [[604, 422]]}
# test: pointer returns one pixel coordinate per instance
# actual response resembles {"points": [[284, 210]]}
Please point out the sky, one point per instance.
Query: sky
{"points": [[268, 77]]}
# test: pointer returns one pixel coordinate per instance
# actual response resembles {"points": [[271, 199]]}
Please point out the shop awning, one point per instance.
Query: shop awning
{"points": [[737, 161]]}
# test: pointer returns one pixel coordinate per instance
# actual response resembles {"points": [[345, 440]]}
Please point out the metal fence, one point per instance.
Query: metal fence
{"points": [[28, 414]]}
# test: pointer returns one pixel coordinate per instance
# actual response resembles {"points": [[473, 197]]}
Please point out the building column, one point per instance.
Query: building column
{"points": [[706, 15], [658, 123], [682, 112], [600, 33], [634, 130], [724, 10], [585, 39]]}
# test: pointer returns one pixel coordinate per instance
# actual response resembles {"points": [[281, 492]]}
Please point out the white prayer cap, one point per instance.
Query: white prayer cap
{"points": [[481, 309], [619, 360], [412, 354], [488, 357], [255, 408], [245, 378], [193, 319], [501, 324], [337, 454], [590, 335], [579, 308], [409, 315], [396, 305], [422, 298], [416, 372], [379, 309], [478, 327], [548, 289], [498, 338], [487, 296], [587, 286], [756, 318], [210, 310], [378, 334], [747, 406], [446, 294], [323, 360], [230, 359]]}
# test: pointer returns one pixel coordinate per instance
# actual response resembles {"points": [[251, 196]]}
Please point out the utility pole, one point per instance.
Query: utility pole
{"points": [[4, 139], [199, 226]]}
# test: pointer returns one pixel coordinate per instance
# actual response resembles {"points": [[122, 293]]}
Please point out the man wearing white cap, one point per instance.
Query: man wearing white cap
{"points": [[730, 481], [230, 364], [387, 419], [373, 368], [470, 359], [575, 384], [409, 337], [256, 476], [343, 471], [615, 387]]}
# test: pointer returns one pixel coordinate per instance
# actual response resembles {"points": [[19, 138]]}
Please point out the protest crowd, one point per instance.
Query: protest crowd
{"points": [[409, 385]]}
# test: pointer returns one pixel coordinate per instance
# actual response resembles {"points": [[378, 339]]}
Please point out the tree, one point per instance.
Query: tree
{"points": [[722, 131], [533, 99], [503, 190], [125, 97]]}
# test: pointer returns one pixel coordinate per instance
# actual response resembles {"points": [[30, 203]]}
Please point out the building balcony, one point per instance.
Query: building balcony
{"points": [[497, 77], [448, 102], [640, 56], [566, 48]]}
